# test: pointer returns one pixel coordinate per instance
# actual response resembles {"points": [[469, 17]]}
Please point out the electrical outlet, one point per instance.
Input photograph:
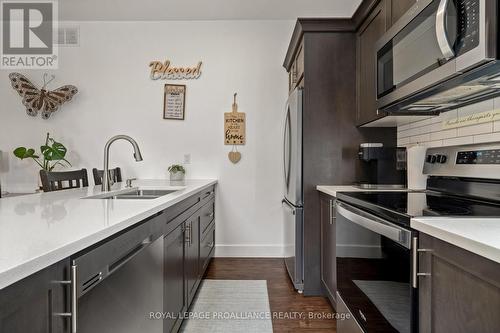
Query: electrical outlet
{"points": [[187, 158]]}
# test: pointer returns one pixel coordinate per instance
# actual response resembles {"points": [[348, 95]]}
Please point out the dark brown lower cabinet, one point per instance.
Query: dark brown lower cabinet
{"points": [[328, 262], [32, 304], [187, 254], [207, 247], [175, 301], [192, 256], [462, 292]]}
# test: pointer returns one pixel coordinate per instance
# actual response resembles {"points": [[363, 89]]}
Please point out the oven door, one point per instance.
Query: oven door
{"points": [[374, 271], [433, 42]]}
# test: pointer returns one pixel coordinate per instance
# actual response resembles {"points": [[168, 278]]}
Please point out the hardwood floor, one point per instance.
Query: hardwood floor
{"points": [[291, 311]]}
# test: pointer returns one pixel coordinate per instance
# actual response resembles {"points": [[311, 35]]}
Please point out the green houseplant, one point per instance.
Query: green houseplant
{"points": [[52, 154], [177, 172]]}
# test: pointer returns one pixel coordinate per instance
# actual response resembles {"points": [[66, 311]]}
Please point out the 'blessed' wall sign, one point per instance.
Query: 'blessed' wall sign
{"points": [[165, 71]]}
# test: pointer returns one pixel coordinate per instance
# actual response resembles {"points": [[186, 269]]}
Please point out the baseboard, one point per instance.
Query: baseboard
{"points": [[249, 251]]}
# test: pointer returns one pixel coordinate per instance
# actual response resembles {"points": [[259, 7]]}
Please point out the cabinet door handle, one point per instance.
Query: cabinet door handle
{"points": [[74, 299], [207, 194], [188, 234], [211, 215], [415, 251], [332, 211]]}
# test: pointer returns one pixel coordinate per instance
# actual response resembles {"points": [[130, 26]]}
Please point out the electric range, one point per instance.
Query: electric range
{"points": [[400, 207], [376, 249]]}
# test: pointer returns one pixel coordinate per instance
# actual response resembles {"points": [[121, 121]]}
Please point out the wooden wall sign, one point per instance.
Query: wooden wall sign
{"points": [[174, 101], [234, 126], [165, 71]]}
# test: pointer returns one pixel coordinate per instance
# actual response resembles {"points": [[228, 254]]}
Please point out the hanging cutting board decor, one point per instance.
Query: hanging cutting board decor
{"points": [[234, 126], [234, 131]]}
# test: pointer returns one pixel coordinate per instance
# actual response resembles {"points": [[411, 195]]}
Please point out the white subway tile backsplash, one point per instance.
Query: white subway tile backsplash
{"points": [[403, 127], [430, 132], [448, 115], [476, 108], [421, 123], [403, 134], [436, 143], [420, 138], [415, 131], [436, 119], [496, 126], [436, 127], [444, 134], [464, 140], [475, 129], [403, 142], [491, 137]]}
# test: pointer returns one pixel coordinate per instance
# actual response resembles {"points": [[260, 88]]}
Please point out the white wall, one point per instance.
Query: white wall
{"points": [[116, 95]]}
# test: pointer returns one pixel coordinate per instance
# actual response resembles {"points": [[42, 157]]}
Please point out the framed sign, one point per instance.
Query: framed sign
{"points": [[174, 101]]}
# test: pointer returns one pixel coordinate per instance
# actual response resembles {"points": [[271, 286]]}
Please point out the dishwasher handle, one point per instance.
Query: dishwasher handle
{"points": [[129, 255], [74, 299]]}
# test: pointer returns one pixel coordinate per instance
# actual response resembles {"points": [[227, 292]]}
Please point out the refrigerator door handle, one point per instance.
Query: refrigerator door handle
{"points": [[287, 204], [287, 138]]}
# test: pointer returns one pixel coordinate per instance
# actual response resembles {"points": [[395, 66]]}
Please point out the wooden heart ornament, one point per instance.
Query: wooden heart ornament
{"points": [[234, 156]]}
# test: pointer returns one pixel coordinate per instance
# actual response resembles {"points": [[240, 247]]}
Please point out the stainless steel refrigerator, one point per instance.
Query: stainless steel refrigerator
{"points": [[293, 189]]}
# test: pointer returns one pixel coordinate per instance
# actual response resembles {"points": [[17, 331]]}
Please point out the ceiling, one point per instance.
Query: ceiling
{"points": [[154, 10]]}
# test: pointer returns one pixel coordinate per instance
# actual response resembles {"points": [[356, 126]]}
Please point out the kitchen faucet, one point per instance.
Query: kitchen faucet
{"points": [[106, 182]]}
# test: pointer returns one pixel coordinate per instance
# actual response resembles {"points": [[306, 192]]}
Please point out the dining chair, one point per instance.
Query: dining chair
{"points": [[114, 174], [56, 181]]}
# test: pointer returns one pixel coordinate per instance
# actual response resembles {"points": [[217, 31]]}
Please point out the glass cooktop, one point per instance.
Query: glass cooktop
{"points": [[401, 206]]}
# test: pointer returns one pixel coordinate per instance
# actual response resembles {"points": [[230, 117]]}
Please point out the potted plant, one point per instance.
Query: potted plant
{"points": [[52, 154], [177, 172]]}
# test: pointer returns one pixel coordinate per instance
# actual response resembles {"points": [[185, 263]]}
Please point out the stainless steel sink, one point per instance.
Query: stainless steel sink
{"points": [[134, 194], [143, 194]]}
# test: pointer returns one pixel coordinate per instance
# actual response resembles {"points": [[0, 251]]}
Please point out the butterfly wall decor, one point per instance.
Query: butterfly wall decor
{"points": [[35, 100]]}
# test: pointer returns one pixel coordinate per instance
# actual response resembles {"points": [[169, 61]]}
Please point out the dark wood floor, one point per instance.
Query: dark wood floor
{"points": [[283, 299]]}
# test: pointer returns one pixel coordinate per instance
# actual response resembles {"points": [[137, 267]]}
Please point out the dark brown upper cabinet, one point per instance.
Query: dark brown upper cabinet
{"points": [[296, 72], [370, 31], [399, 7]]}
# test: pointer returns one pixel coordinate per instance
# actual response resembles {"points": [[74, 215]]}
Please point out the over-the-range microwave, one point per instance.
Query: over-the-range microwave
{"points": [[442, 54]]}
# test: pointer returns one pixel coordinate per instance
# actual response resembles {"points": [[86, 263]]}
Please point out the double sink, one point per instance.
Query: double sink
{"points": [[135, 194]]}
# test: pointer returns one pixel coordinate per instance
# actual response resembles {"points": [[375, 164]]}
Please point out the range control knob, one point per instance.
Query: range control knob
{"points": [[432, 159], [441, 159], [428, 159]]}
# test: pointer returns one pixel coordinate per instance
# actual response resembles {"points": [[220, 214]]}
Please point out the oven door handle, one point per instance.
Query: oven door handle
{"points": [[442, 36], [375, 224]]}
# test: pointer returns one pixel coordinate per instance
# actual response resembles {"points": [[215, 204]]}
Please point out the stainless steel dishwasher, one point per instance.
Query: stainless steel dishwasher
{"points": [[118, 284]]}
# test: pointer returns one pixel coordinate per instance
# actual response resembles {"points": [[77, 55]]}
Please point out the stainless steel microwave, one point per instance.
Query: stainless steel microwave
{"points": [[442, 54]]}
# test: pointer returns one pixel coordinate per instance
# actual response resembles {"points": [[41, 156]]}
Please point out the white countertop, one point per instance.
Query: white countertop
{"points": [[41, 229], [333, 189], [478, 235]]}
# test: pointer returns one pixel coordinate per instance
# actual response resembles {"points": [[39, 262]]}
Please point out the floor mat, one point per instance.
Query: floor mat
{"points": [[230, 306]]}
